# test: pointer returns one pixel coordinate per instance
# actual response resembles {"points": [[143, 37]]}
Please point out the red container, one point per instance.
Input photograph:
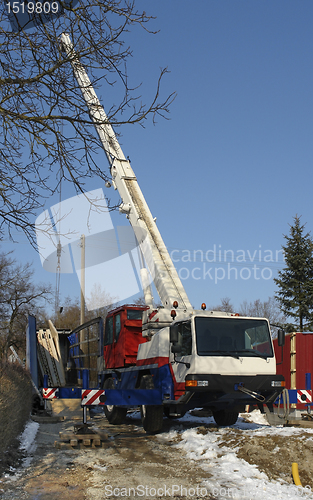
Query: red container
{"points": [[304, 360]]}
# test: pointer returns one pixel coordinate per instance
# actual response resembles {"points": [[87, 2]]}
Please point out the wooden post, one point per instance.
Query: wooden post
{"points": [[293, 368], [82, 280], [82, 346]]}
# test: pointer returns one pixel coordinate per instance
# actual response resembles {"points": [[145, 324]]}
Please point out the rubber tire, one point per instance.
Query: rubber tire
{"points": [[115, 414], [151, 415], [225, 417]]}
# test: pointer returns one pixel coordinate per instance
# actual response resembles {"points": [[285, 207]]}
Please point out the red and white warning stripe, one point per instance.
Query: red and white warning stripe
{"points": [[50, 393], [92, 397], [304, 396]]}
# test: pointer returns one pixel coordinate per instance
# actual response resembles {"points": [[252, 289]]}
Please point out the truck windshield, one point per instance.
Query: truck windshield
{"points": [[233, 336]]}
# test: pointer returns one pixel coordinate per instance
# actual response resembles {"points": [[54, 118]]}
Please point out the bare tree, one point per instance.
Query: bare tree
{"points": [[48, 137], [19, 297], [225, 305], [140, 301], [99, 301], [69, 314], [268, 309]]}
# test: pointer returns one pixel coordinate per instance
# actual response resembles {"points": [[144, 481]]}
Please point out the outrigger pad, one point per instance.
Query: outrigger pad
{"points": [[274, 418]]}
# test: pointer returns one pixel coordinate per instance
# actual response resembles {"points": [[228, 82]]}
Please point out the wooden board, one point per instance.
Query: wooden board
{"points": [[299, 423], [46, 359], [59, 362], [75, 440]]}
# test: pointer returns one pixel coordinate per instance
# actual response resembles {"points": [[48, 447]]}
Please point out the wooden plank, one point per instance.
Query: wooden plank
{"points": [[307, 416], [42, 366], [59, 362], [62, 446], [299, 423], [67, 436], [55, 336], [54, 356], [42, 341], [72, 439]]}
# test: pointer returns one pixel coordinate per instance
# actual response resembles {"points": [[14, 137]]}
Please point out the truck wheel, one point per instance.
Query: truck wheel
{"points": [[151, 415], [115, 414], [225, 417]]}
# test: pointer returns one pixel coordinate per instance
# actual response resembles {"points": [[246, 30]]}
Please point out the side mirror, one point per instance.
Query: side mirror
{"points": [[174, 333], [176, 349], [281, 337]]}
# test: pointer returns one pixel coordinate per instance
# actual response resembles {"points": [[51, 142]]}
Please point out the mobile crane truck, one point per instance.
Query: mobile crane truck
{"points": [[172, 358]]}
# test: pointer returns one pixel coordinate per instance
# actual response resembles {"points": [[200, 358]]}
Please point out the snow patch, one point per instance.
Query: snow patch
{"points": [[27, 438], [233, 477]]}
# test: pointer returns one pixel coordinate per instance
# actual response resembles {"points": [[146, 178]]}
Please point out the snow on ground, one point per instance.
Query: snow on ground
{"points": [[27, 438], [230, 476], [27, 447], [27, 441]]}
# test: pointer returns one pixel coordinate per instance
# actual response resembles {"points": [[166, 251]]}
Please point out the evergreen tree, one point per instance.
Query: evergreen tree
{"points": [[295, 281]]}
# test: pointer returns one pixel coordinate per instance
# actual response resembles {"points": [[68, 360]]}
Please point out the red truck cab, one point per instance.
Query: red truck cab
{"points": [[122, 336]]}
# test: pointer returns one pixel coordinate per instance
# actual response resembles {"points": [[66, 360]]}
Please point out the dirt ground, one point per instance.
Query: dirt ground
{"points": [[274, 454], [130, 458]]}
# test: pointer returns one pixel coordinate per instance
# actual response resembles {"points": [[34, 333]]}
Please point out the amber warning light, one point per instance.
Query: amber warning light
{"points": [[191, 383], [196, 383]]}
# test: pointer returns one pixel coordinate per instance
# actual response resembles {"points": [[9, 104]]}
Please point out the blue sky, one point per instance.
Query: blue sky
{"points": [[233, 165]]}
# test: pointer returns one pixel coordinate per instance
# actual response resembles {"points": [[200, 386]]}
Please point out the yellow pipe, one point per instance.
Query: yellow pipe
{"points": [[295, 474]]}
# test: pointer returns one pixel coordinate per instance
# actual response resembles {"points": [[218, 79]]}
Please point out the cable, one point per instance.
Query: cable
{"points": [[284, 396]]}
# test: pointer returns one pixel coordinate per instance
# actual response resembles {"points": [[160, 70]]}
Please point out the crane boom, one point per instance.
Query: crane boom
{"points": [[134, 205], [182, 358]]}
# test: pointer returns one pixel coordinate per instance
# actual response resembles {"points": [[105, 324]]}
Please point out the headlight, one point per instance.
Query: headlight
{"points": [[278, 383]]}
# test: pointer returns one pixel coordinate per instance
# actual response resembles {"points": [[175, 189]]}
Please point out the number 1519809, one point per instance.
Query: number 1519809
{"points": [[33, 8]]}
